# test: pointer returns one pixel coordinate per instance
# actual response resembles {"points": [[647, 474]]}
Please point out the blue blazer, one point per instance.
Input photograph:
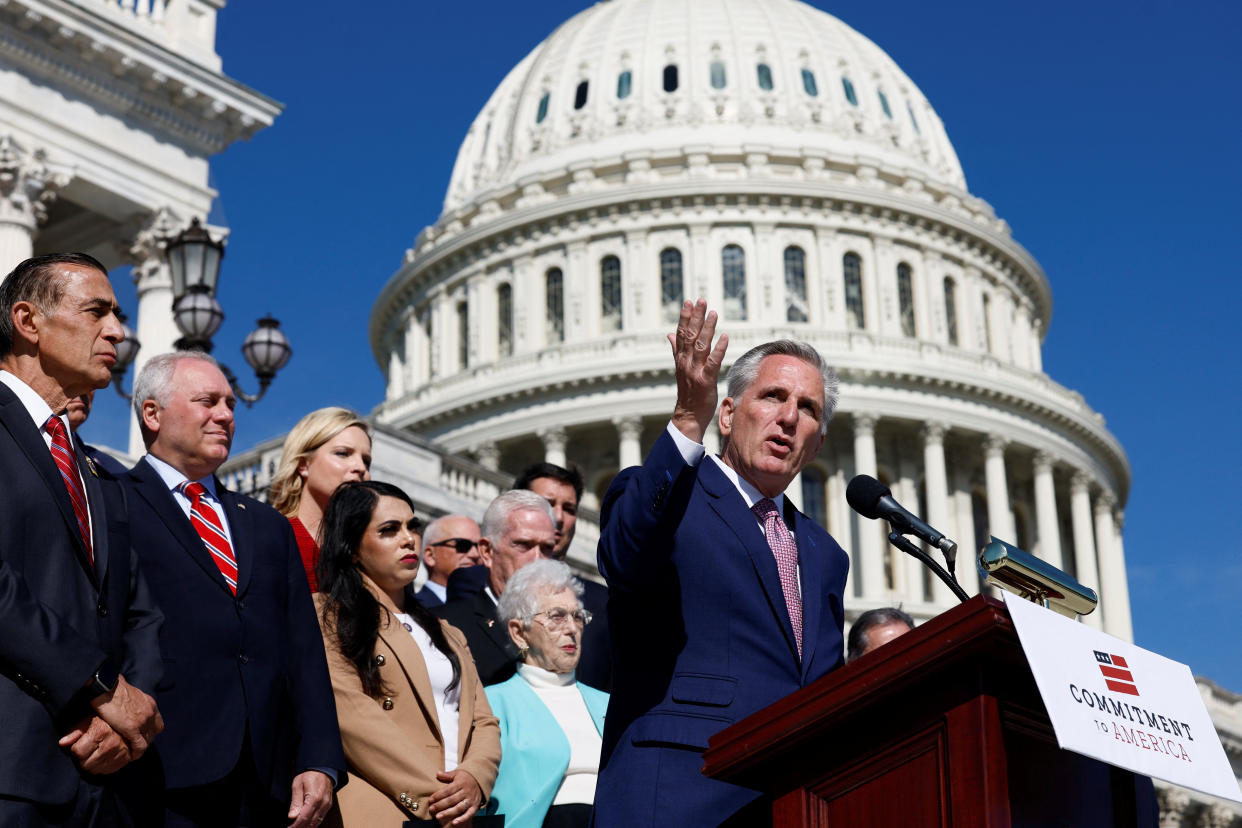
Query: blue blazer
{"points": [[534, 752], [254, 661], [60, 617], [701, 635]]}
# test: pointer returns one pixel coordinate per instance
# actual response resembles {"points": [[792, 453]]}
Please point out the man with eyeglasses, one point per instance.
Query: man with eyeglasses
{"points": [[449, 543]]}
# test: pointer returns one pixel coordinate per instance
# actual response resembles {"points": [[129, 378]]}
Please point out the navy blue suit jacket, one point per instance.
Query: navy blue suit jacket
{"points": [[60, 618], [231, 663], [701, 636]]}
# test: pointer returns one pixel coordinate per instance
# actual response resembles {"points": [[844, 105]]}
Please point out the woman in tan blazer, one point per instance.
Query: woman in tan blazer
{"points": [[419, 736]]}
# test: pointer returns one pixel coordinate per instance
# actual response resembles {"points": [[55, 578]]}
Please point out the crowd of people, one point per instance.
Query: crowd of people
{"points": [[174, 653]]}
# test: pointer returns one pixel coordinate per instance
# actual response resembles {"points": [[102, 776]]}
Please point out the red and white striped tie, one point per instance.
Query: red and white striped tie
{"points": [[66, 461], [207, 523]]}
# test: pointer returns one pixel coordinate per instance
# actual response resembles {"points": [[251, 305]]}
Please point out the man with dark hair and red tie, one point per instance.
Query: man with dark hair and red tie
{"points": [[730, 598], [252, 732], [78, 631]]}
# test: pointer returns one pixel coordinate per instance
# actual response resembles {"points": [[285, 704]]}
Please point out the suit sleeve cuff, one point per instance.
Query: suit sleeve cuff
{"points": [[691, 451], [331, 773]]}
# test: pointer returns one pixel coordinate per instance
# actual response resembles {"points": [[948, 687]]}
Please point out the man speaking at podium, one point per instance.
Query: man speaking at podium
{"points": [[723, 597]]}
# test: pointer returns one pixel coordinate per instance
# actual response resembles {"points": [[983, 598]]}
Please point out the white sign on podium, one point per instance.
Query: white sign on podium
{"points": [[1121, 704]]}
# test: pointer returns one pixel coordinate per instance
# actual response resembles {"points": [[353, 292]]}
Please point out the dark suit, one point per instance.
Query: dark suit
{"points": [[701, 634], [494, 653], [60, 618], [425, 596], [239, 669]]}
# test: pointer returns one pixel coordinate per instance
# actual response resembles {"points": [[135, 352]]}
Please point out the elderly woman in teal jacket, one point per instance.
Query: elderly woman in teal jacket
{"points": [[550, 725]]}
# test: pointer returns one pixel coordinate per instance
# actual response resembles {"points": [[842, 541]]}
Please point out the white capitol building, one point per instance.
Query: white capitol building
{"points": [[766, 156], [759, 153]]}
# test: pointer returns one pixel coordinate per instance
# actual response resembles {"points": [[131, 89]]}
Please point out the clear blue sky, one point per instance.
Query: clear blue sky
{"points": [[1105, 132]]}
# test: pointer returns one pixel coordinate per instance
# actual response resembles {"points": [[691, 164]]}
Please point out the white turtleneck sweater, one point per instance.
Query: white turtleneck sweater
{"points": [[559, 692]]}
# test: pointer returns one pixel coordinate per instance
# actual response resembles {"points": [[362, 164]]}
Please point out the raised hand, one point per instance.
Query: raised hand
{"points": [[697, 366]]}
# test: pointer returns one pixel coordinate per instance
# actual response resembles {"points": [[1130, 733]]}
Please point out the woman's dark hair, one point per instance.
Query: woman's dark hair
{"points": [[350, 610]]}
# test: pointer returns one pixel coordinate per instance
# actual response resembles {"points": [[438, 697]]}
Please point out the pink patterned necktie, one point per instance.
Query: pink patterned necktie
{"points": [[786, 553], [67, 462], [207, 523]]}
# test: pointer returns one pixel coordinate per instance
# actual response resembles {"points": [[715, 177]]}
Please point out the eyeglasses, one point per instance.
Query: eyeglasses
{"points": [[558, 617], [460, 545]]}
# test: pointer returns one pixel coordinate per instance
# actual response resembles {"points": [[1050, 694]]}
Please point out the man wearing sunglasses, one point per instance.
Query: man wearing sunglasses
{"points": [[449, 543]]}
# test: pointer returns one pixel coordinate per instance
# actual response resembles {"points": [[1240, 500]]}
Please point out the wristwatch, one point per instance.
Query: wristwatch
{"points": [[104, 680]]}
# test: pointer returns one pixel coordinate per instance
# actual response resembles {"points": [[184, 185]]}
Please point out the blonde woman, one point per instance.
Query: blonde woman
{"points": [[326, 448]]}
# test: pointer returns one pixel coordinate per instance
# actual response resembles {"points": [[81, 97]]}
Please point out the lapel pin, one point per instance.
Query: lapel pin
{"points": [[491, 622], [241, 506]]}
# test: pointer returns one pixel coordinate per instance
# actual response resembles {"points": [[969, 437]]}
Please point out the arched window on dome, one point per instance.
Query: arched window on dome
{"points": [[554, 299], [795, 285], [733, 266], [950, 309], [851, 265], [672, 291], [670, 78], [542, 112], [850, 95], [905, 298], [463, 336], [610, 294], [504, 320], [624, 82], [884, 104], [815, 495], [717, 73], [764, 73], [580, 94], [808, 83], [913, 119]]}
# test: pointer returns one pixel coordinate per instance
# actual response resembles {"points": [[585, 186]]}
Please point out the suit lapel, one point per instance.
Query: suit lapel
{"points": [[727, 502], [99, 516], [151, 488], [239, 532], [16, 420], [811, 566], [485, 616], [412, 663]]}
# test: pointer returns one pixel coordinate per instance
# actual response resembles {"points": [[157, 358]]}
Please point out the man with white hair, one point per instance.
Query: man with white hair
{"points": [[518, 527]]}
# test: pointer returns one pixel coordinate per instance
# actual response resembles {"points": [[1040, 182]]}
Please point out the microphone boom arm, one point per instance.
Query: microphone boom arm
{"points": [[901, 542]]}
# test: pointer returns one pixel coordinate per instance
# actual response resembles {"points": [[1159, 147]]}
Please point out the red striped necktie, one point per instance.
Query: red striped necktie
{"points": [[207, 523], [67, 462], [785, 551]]}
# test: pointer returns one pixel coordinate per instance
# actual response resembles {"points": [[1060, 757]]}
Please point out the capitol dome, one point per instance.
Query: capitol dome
{"points": [[764, 155]]}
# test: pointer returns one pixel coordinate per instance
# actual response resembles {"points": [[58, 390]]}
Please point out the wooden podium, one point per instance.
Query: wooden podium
{"points": [[941, 727]]}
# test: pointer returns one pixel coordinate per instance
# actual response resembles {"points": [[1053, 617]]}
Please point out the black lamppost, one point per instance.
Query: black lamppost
{"points": [[194, 263]]}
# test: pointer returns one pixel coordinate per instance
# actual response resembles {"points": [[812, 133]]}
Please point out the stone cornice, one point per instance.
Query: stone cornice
{"points": [[622, 364], [124, 72], [588, 210]]}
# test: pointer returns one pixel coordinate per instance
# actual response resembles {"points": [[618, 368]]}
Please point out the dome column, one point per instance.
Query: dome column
{"points": [[1000, 519], [554, 440], [964, 509], [1121, 589], [629, 449], [824, 282], [1084, 541], [1049, 526], [911, 567], [1114, 597], [871, 551], [936, 484], [156, 330]]}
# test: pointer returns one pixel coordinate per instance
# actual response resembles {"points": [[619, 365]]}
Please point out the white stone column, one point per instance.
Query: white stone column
{"points": [[1047, 523], [839, 522], [27, 187], [908, 570], [1084, 542], [1036, 356], [824, 287], [1120, 594], [630, 432], [936, 484], [968, 552], [1114, 599], [554, 440], [1000, 519], [871, 536], [154, 327], [636, 282], [442, 345]]}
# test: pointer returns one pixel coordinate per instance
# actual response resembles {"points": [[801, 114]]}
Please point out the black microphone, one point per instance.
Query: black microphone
{"points": [[872, 499]]}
